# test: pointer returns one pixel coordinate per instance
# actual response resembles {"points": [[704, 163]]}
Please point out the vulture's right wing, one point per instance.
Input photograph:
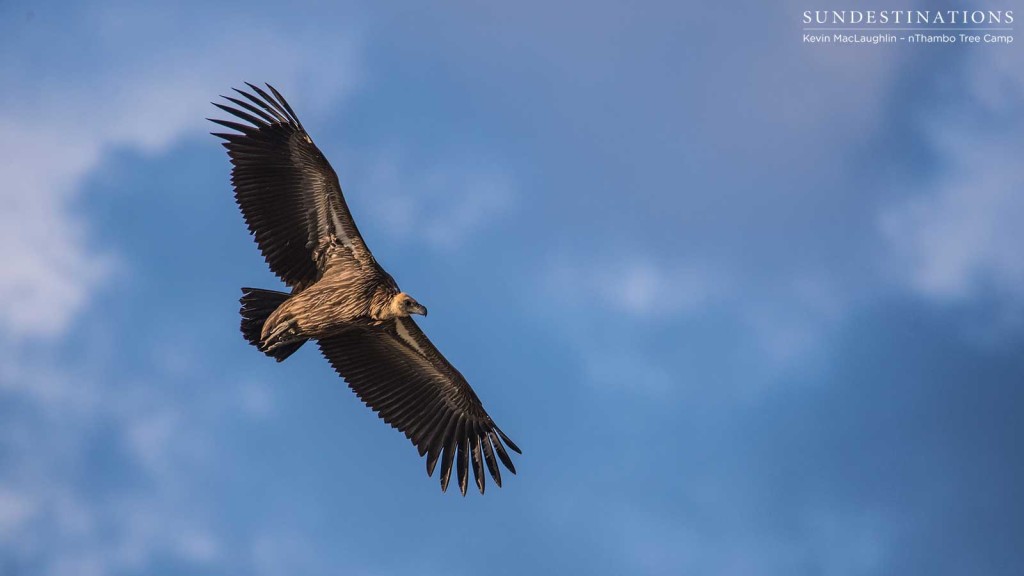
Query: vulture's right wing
{"points": [[399, 373], [288, 192]]}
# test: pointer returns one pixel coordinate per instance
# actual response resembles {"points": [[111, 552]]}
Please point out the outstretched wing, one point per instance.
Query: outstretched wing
{"points": [[286, 189], [399, 373]]}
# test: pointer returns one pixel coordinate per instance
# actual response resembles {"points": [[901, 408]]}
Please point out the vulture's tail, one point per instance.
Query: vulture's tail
{"points": [[257, 306]]}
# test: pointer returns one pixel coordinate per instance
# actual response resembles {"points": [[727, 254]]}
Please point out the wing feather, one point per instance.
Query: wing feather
{"points": [[463, 457], [478, 465], [449, 451], [399, 374], [492, 464]]}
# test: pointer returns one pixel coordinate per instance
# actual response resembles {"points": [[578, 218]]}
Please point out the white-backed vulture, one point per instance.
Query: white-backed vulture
{"points": [[341, 297]]}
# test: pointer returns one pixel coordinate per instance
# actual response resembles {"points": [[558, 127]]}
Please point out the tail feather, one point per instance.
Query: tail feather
{"points": [[257, 306]]}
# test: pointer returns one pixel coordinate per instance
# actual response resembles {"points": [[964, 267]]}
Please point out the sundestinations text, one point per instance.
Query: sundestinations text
{"points": [[908, 17]]}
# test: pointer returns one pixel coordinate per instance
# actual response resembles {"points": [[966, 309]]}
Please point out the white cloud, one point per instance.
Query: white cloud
{"points": [[644, 289], [964, 235], [967, 234], [636, 287], [16, 509], [49, 268], [607, 308], [599, 305], [49, 515], [445, 205], [58, 131]]}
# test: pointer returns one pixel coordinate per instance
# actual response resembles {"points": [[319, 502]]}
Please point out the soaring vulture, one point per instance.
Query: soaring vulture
{"points": [[342, 298]]}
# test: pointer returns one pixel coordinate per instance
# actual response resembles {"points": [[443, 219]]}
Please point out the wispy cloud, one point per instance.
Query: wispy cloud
{"points": [[55, 514], [636, 286], [606, 309], [445, 205], [610, 309], [50, 269], [16, 509], [963, 235], [54, 131], [967, 234]]}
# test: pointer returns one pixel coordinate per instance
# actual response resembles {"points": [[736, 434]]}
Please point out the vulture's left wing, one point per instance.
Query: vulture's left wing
{"points": [[288, 192], [399, 373]]}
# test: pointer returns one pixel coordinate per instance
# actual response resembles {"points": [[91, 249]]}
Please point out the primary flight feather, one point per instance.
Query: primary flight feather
{"points": [[341, 297]]}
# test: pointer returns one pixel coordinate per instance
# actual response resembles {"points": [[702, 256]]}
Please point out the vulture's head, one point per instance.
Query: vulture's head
{"points": [[404, 305]]}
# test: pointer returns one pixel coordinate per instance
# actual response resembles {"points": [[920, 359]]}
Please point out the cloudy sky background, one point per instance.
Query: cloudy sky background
{"points": [[749, 306]]}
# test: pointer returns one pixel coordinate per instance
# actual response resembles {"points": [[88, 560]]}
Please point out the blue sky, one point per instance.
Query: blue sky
{"points": [[749, 306]]}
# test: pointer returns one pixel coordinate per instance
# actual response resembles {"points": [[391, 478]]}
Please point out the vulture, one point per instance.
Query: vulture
{"points": [[341, 297]]}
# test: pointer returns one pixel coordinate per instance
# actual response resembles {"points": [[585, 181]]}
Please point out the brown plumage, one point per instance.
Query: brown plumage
{"points": [[341, 297]]}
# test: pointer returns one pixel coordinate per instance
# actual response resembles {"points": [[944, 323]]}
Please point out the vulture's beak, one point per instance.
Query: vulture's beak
{"points": [[419, 309]]}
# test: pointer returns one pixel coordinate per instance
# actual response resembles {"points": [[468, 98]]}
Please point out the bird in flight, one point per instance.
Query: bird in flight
{"points": [[341, 297]]}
